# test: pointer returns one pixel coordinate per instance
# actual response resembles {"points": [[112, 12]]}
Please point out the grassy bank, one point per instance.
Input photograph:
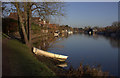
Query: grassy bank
{"points": [[19, 61]]}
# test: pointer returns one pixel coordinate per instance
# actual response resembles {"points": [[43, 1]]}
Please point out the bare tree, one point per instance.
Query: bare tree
{"points": [[26, 11]]}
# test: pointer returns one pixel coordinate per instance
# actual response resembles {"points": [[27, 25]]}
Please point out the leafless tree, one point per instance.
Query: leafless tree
{"points": [[26, 10]]}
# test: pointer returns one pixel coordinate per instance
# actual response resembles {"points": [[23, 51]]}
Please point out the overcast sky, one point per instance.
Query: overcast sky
{"points": [[81, 14]]}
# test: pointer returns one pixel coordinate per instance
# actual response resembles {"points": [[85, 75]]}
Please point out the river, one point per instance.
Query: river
{"points": [[90, 50]]}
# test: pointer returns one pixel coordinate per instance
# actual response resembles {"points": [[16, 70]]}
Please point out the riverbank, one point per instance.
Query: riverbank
{"points": [[19, 61]]}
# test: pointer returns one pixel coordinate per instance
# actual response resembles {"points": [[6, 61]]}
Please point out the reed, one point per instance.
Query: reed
{"points": [[86, 70]]}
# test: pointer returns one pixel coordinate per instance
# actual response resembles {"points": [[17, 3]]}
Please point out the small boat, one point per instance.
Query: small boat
{"points": [[70, 32], [90, 32], [48, 54], [56, 33]]}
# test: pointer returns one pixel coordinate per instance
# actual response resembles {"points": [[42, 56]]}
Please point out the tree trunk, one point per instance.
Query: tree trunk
{"points": [[22, 24], [29, 21], [20, 31], [26, 16]]}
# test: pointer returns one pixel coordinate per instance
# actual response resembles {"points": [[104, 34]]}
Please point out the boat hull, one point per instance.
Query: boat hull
{"points": [[48, 54]]}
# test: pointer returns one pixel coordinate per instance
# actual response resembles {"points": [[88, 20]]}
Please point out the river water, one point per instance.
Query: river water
{"points": [[90, 50]]}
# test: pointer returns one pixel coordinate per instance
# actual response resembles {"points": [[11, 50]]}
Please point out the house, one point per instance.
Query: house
{"points": [[13, 16], [36, 20], [52, 26], [44, 31]]}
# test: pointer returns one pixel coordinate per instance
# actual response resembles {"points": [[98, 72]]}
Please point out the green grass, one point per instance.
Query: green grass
{"points": [[23, 62]]}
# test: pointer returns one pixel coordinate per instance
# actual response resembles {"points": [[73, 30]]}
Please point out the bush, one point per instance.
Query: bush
{"points": [[9, 25]]}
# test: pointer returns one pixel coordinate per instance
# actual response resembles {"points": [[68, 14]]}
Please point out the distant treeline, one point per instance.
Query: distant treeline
{"points": [[114, 29]]}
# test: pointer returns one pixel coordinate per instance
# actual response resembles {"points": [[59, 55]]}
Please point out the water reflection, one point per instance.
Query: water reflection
{"points": [[62, 65], [48, 41], [113, 41]]}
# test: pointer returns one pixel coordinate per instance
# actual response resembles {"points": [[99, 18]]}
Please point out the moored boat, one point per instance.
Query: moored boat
{"points": [[70, 32], [56, 33], [48, 54]]}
